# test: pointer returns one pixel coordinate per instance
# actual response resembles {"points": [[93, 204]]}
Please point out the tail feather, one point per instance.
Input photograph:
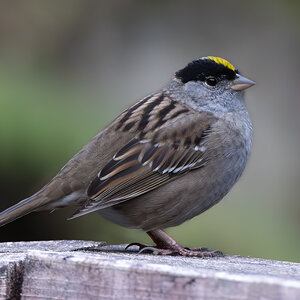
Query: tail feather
{"points": [[20, 209]]}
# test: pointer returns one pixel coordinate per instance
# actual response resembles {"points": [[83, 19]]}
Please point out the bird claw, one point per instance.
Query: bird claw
{"points": [[201, 249], [141, 246], [157, 251], [188, 252]]}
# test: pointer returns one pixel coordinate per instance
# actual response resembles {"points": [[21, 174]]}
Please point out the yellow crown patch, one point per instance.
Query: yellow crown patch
{"points": [[221, 61]]}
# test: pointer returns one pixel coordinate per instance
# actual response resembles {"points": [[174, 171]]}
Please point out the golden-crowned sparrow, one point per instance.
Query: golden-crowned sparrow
{"points": [[164, 160]]}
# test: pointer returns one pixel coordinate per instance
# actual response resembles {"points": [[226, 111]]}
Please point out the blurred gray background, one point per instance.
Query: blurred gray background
{"points": [[69, 67]]}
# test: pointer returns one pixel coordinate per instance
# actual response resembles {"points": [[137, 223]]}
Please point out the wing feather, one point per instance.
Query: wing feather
{"points": [[154, 156]]}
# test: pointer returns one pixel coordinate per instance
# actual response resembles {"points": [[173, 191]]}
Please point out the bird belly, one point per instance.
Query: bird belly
{"points": [[181, 199]]}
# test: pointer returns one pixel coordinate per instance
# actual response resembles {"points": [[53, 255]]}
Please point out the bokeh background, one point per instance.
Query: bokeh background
{"points": [[68, 67]]}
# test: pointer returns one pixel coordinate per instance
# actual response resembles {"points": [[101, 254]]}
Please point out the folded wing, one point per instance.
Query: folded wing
{"points": [[152, 158]]}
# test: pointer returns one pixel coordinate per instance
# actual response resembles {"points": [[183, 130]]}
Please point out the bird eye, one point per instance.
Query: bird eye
{"points": [[211, 81]]}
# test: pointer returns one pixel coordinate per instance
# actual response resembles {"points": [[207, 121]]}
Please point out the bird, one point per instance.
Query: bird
{"points": [[164, 160]]}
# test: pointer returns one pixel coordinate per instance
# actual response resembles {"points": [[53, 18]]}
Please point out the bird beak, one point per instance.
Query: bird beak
{"points": [[240, 83]]}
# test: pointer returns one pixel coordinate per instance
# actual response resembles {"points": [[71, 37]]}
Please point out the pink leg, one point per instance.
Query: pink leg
{"points": [[165, 245]]}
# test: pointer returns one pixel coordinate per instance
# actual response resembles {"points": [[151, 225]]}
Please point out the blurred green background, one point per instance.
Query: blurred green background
{"points": [[68, 67]]}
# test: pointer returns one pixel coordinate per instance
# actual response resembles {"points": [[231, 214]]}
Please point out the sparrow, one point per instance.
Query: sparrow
{"points": [[164, 160]]}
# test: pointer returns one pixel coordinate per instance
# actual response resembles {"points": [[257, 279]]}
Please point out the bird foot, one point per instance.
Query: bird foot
{"points": [[177, 250]]}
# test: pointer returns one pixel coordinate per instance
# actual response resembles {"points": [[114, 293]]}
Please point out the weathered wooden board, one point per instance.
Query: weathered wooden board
{"points": [[53, 270]]}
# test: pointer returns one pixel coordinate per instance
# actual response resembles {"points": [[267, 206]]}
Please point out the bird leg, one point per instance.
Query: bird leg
{"points": [[165, 245]]}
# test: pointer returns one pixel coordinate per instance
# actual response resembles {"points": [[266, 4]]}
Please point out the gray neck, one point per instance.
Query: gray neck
{"points": [[199, 99]]}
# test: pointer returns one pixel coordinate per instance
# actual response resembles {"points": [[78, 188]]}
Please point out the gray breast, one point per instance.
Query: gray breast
{"points": [[193, 193]]}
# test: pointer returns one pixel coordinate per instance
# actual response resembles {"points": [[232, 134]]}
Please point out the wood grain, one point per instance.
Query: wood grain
{"points": [[89, 270]]}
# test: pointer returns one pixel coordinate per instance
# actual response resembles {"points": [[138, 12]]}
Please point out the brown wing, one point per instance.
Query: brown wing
{"points": [[160, 152]]}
